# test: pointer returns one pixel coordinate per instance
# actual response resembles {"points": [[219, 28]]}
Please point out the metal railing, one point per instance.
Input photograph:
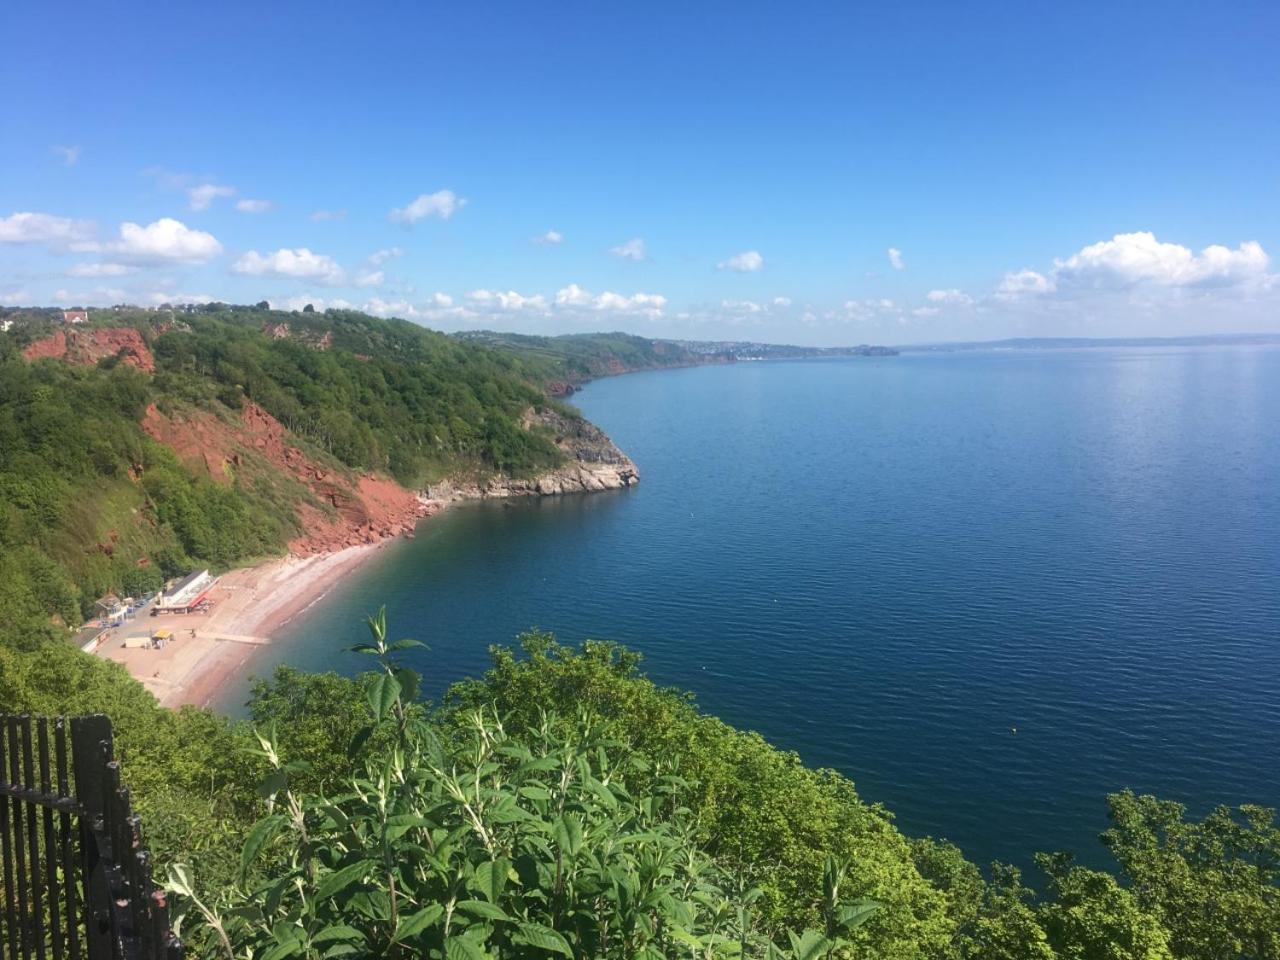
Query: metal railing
{"points": [[76, 882]]}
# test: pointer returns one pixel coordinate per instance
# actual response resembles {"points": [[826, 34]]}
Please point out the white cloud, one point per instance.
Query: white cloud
{"points": [[749, 261], [318, 304], [98, 296], [949, 296], [1130, 259], [165, 239], [201, 196], [741, 306], [573, 296], [510, 300], [15, 298], [1023, 283], [782, 302], [70, 155], [646, 303], [874, 308], [45, 228], [379, 257], [926, 311], [321, 216], [1140, 262], [389, 308], [443, 204], [895, 259], [300, 263], [100, 270], [368, 278], [633, 249], [163, 296], [438, 305], [550, 238], [642, 302], [254, 206]]}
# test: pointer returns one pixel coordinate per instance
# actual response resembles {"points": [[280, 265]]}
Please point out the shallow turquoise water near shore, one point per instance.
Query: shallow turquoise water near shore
{"points": [[890, 564]]}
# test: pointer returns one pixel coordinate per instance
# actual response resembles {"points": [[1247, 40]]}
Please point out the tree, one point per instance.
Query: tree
{"points": [[1091, 917], [1214, 884], [480, 843]]}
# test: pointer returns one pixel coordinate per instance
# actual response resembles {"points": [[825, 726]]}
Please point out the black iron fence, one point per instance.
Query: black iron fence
{"points": [[76, 881]]}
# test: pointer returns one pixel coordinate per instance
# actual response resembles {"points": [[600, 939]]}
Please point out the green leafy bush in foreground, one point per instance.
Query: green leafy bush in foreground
{"points": [[752, 817], [488, 845], [563, 791]]}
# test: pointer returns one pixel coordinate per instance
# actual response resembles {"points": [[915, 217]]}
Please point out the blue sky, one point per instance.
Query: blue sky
{"points": [[699, 170]]}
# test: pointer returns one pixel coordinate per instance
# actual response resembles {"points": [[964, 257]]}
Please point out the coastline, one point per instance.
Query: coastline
{"points": [[251, 604]]}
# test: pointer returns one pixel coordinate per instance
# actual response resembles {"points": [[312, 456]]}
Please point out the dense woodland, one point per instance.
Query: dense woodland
{"points": [[560, 805], [89, 503]]}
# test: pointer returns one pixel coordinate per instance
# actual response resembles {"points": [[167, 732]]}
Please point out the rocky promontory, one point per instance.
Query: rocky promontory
{"points": [[594, 462]]}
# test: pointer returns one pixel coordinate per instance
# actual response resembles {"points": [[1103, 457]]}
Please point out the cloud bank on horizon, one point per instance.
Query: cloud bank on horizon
{"points": [[479, 191], [1135, 272]]}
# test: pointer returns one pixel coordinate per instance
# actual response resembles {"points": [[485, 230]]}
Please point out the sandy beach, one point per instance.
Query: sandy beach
{"points": [[250, 605]]}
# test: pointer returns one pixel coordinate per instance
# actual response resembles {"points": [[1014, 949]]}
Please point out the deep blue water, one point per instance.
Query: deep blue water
{"points": [[888, 564]]}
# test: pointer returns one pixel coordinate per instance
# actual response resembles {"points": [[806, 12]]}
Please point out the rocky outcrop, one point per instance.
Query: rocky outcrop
{"points": [[373, 510], [346, 509], [87, 347], [594, 463]]}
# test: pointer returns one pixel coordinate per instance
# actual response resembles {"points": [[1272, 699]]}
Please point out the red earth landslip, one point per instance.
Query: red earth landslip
{"points": [[365, 508]]}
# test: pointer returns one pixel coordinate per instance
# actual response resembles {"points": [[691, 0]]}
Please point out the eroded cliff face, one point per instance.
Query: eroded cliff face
{"points": [[87, 347], [336, 508], [342, 508], [595, 463]]}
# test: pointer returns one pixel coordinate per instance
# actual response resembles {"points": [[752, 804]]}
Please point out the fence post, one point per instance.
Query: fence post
{"points": [[91, 745], [96, 869]]}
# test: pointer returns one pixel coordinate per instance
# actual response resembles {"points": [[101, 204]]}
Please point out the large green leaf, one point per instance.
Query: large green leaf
{"points": [[273, 783], [382, 694], [602, 792], [340, 931], [414, 924], [809, 946], [568, 834], [405, 644], [402, 823], [339, 880], [282, 950], [544, 938], [482, 908], [857, 913], [408, 678], [262, 833], [491, 879], [460, 948]]}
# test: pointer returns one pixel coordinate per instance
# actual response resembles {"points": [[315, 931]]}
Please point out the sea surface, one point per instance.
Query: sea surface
{"points": [[991, 587]]}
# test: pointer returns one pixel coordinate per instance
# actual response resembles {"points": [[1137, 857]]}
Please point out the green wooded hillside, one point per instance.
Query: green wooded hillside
{"points": [[89, 503]]}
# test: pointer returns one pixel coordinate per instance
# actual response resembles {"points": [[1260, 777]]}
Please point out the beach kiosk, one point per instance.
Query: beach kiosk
{"points": [[184, 595], [111, 609], [160, 638]]}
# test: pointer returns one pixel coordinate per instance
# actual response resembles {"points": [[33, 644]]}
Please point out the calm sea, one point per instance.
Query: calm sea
{"points": [[891, 565]]}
